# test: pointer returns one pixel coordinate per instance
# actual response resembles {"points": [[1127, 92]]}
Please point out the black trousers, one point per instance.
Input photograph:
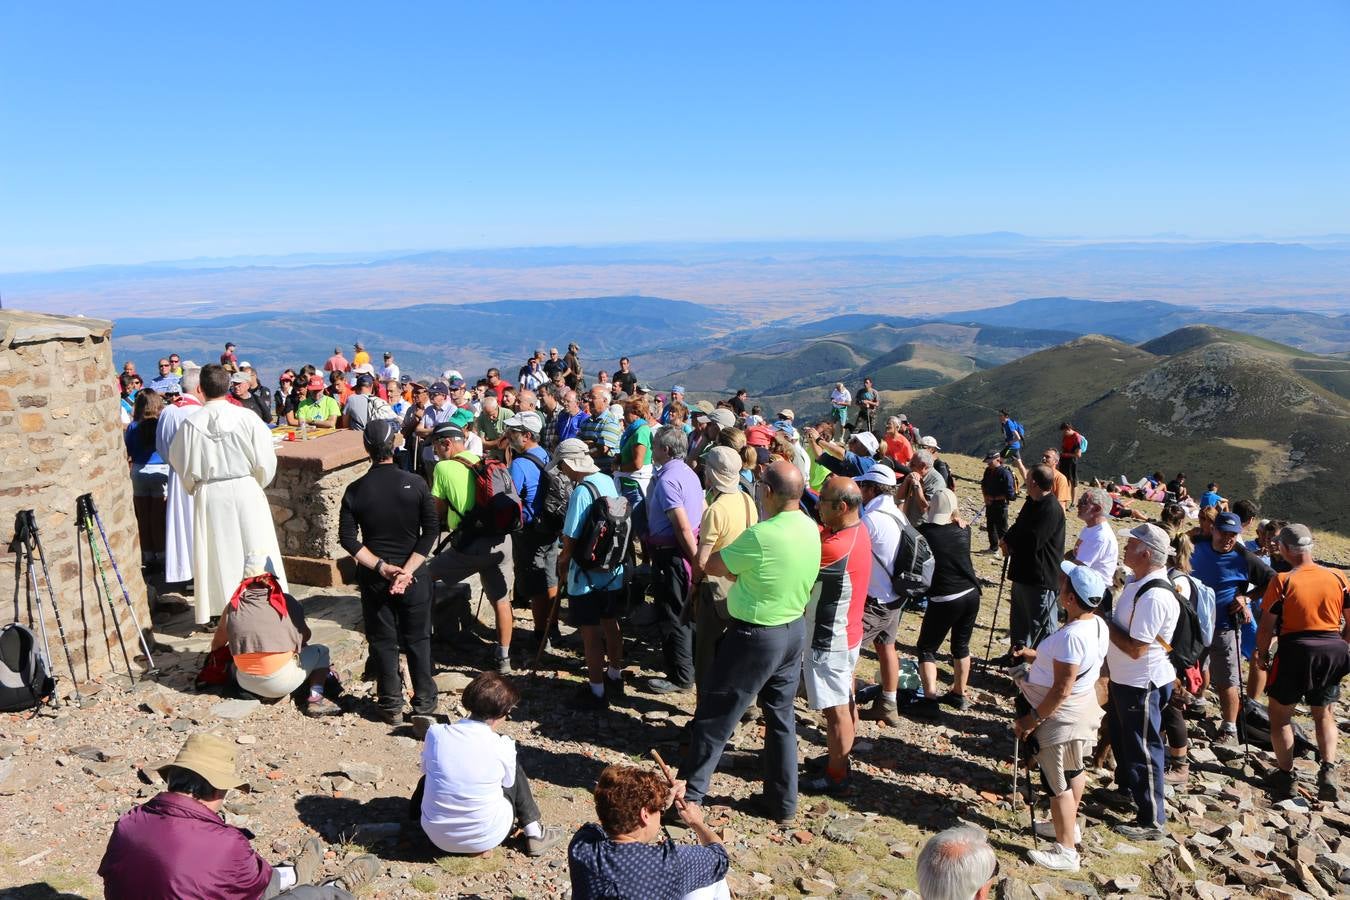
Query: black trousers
{"points": [[670, 593], [996, 520], [400, 622], [523, 806], [1068, 467]]}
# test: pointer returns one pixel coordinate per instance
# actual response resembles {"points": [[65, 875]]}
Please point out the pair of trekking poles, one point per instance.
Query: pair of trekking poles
{"points": [[87, 518]]}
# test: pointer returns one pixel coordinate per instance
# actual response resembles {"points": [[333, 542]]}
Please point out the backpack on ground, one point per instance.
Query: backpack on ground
{"points": [[497, 508], [25, 679], [1188, 638], [606, 532], [1254, 728], [912, 569], [556, 489]]}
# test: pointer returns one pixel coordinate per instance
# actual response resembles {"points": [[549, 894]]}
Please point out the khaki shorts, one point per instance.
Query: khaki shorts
{"points": [[880, 625], [1224, 668], [1058, 762]]}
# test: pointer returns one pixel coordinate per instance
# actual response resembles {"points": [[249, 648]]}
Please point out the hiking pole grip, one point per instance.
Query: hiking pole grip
{"points": [[31, 516]]}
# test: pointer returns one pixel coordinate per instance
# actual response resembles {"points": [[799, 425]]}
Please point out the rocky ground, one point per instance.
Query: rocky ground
{"points": [[66, 774]]}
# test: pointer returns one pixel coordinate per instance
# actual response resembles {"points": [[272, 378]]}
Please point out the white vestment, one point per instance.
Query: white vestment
{"points": [[178, 516], [225, 457]]}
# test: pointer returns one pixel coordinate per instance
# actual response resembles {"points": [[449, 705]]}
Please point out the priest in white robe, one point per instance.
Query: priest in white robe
{"points": [[178, 516], [225, 457]]}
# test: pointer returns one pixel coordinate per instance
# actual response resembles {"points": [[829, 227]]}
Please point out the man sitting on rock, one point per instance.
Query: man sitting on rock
{"points": [[269, 642], [178, 845]]}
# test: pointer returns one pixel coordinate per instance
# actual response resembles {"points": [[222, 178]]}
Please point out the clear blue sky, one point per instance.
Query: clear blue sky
{"points": [[155, 131]]}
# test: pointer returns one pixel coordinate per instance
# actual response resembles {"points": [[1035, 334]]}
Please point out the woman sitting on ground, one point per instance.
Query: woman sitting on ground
{"points": [[618, 858], [473, 789], [1065, 713]]}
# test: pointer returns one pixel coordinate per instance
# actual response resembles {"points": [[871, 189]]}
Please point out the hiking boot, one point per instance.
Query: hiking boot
{"points": [[1046, 829], [959, 702], [665, 686], [585, 700], [359, 872], [1328, 791], [389, 715], [881, 710], [1058, 858], [1226, 738], [1279, 784], [1138, 832], [322, 706], [1177, 773], [310, 861], [552, 837]]}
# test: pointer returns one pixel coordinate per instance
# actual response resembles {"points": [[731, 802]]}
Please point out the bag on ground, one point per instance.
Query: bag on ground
{"points": [[25, 680]]}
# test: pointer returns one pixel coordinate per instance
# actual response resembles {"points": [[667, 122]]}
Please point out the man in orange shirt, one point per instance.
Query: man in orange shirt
{"points": [[1305, 607], [1062, 490], [898, 447]]}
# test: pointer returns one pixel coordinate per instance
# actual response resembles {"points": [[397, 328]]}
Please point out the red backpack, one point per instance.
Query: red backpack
{"points": [[497, 508]]}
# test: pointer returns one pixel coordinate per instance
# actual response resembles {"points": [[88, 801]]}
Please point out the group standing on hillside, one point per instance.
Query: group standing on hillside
{"points": [[775, 552]]}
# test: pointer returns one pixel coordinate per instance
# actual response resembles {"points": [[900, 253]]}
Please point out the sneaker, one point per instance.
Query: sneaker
{"points": [[552, 837], [824, 784], [663, 686], [614, 689], [585, 700], [1279, 784], [1177, 773], [1327, 789], [322, 706], [1138, 832], [923, 708], [958, 702], [1227, 738], [881, 710], [1057, 858], [390, 716], [310, 861], [1046, 829], [504, 665], [360, 872]]}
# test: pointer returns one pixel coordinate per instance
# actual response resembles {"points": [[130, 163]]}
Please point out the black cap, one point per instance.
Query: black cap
{"points": [[446, 431], [992, 454], [364, 381], [379, 437]]}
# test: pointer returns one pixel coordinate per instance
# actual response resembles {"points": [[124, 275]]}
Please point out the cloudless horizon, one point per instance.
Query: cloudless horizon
{"points": [[136, 132]]}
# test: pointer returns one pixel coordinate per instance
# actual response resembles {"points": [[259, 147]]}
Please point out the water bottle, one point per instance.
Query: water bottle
{"points": [[304, 429], [909, 675]]}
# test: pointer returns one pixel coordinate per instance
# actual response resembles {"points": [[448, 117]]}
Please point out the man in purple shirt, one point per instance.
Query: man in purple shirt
{"points": [[674, 509], [177, 845]]}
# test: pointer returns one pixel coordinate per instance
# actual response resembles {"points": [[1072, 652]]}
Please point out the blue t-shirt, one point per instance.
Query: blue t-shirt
{"points": [[581, 581], [570, 426], [526, 476], [1226, 573], [1210, 498], [1012, 434], [141, 453]]}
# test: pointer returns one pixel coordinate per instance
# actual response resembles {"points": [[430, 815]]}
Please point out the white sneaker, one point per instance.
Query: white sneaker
{"points": [[1046, 829], [1057, 858]]}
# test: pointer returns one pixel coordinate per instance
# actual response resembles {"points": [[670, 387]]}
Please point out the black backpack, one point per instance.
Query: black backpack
{"points": [[1188, 640], [557, 490], [912, 569], [25, 680], [606, 533]]}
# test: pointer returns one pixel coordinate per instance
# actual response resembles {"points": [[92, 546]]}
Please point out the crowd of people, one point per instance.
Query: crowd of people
{"points": [[773, 552]]}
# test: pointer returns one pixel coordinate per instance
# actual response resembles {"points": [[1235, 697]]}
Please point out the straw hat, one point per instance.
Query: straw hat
{"points": [[211, 757]]}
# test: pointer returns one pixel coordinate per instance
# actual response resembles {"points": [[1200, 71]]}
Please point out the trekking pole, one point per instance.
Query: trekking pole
{"points": [[35, 599], [548, 628], [86, 525], [126, 594], [1017, 751], [1242, 697], [998, 601], [30, 520]]}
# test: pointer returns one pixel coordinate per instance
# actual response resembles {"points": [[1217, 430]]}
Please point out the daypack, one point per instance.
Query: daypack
{"points": [[557, 490], [217, 669], [1188, 638], [1254, 728], [912, 569], [605, 534], [377, 408], [25, 680], [1082, 445], [1204, 600], [496, 508]]}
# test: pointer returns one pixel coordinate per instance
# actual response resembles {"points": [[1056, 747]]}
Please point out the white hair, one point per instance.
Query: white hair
{"points": [[1157, 558], [191, 380], [955, 864], [1098, 498], [923, 457]]}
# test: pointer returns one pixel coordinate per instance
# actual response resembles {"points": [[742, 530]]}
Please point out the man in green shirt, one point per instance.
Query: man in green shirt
{"points": [[775, 564], [492, 427], [317, 408], [473, 551]]}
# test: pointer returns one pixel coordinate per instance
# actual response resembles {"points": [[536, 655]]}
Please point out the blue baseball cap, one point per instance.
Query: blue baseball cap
{"points": [[1229, 522], [1088, 585]]}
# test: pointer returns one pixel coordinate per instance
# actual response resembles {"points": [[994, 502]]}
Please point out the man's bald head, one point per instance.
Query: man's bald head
{"points": [[784, 485]]}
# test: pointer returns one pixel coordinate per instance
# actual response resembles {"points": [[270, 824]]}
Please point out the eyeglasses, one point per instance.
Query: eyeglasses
{"points": [[163, 365]]}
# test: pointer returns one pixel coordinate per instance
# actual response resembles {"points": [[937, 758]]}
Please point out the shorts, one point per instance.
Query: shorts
{"points": [[1012, 453], [829, 676], [880, 625], [1060, 762], [150, 480], [594, 607], [489, 557], [289, 677], [1225, 670], [1308, 668], [535, 561]]}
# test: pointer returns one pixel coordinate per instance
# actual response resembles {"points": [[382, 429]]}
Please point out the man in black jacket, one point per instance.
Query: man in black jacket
{"points": [[396, 519], [1035, 545], [997, 486]]}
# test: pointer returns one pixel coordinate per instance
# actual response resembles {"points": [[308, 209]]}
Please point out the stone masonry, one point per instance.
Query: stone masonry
{"points": [[61, 436], [305, 497]]}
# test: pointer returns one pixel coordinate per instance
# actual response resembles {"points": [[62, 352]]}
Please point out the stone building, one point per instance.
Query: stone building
{"points": [[61, 436]]}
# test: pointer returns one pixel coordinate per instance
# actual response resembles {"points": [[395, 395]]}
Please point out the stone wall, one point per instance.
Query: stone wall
{"points": [[61, 436], [305, 497]]}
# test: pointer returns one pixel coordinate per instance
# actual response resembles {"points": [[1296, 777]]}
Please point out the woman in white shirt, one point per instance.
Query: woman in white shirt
{"points": [[473, 789], [1060, 688]]}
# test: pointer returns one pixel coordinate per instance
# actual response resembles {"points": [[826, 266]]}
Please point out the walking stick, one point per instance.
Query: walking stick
{"points": [[126, 594], [548, 627], [998, 601], [1242, 698], [86, 525], [35, 599], [30, 523]]}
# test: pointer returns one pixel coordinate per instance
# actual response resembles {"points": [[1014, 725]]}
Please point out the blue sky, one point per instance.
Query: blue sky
{"points": [[136, 131]]}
